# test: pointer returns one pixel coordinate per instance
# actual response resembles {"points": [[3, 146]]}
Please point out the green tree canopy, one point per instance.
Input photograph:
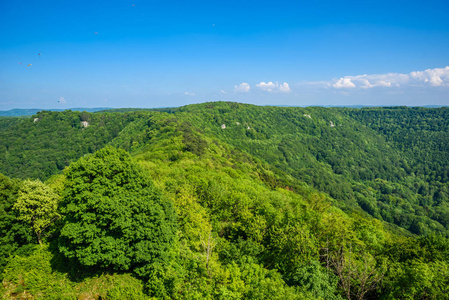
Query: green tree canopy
{"points": [[37, 205], [114, 217], [13, 232]]}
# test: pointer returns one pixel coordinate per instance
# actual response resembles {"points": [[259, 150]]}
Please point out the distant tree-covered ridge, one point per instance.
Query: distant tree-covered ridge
{"points": [[29, 112], [46, 143], [178, 206]]}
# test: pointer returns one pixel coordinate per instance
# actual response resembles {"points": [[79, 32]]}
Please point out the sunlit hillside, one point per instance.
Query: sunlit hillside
{"points": [[225, 201]]}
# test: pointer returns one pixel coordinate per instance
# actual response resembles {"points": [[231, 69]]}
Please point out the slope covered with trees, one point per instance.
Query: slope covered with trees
{"points": [[44, 144], [333, 151], [275, 204]]}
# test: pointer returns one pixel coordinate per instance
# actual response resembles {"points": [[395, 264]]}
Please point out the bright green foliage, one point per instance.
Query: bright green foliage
{"points": [[418, 280], [113, 215], [126, 288], [37, 205], [418, 268], [260, 283], [13, 232], [291, 245], [317, 280], [56, 182], [31, 274], [240, 209]]}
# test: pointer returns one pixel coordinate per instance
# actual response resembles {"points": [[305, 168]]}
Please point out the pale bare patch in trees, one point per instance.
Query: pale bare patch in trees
{"points": [[208, 246], [357, 276]]}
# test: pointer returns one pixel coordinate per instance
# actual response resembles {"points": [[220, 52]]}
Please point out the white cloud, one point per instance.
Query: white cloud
{"points": [[344, 83], [62, 100], [284, 87], [189, 94], [242, 88], [434, 77], [274, 87], [431, 77], [384, 83], [266, 86], [223, 92]]}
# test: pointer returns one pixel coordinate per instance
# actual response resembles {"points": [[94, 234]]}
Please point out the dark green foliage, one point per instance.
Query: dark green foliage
{"points": [[385, 174], [193, 143], [421, 133], [114, 217], [46, 143], [8, 122], [421, 136]]}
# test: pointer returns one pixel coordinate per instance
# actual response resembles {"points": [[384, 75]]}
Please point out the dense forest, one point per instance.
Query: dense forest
{"points": [[226, 201]]}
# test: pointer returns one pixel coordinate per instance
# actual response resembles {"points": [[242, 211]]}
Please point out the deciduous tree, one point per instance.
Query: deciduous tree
{"points": [[114, 216], [37, 205]]}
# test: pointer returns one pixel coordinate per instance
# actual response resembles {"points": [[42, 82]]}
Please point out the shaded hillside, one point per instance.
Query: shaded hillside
{"points": [[334, 153], [46, 143], [421, 133]]}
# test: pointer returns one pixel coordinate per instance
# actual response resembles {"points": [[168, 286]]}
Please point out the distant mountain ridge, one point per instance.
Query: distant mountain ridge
{"points": [[19, 112]]}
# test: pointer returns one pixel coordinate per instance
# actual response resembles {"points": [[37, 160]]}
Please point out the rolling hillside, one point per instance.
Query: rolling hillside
{"points": [[269, 202]]}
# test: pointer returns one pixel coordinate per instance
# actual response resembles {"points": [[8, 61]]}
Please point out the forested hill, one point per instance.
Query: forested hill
{"points": [[228, 201], [28, 112], [401, 179], [44, 144]]}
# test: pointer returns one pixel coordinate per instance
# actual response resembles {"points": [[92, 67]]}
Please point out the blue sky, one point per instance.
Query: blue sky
{"points": [[136, 53]]}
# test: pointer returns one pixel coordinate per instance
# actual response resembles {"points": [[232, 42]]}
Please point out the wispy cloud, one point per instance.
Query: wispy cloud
{"points": [[242, 88], [189, 94], [430, 77], [274, 87]]}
